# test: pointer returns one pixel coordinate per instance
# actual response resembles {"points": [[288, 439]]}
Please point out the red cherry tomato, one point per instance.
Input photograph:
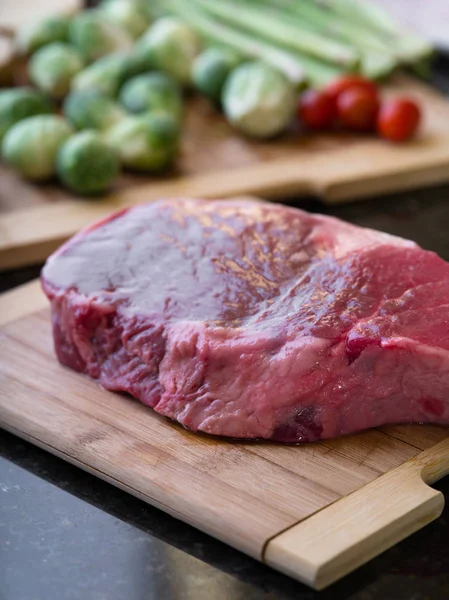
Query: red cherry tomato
{"points": [[357, 109], [317, 110], [347, 82], [398, 119]]}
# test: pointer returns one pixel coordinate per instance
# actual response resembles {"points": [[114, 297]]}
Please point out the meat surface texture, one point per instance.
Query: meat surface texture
{"points": [[252, 320]]}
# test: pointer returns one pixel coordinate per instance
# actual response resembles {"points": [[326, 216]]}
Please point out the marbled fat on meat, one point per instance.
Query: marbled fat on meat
{"points": [[252, 320]]}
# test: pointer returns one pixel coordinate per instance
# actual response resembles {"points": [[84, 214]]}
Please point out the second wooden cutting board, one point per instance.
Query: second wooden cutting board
{"points": [[215, 162]]}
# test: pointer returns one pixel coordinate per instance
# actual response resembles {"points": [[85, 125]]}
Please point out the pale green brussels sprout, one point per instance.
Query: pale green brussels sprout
{"points": [[94, 36], [34, 35], [105, 75], [31, 145], [145, 143], [53, 67], [169, 45], [86, 164], [258, 100], [211, 69], [19, 103], [89, 109], [152, 92], [127, 14]]}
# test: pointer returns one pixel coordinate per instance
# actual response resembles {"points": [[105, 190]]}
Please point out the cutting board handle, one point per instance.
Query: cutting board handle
{"points": [[338, 539]]}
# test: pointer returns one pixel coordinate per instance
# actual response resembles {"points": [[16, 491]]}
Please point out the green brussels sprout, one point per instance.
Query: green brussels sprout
{"points": [[211, 69], [152, 92], [169, 45], [88, 109], [145, 142], [129, 15], [18, 103], [94, 36], [33, 36], [258, 100], [105, 75], [31, 145], [53, 67], [86, 164]]}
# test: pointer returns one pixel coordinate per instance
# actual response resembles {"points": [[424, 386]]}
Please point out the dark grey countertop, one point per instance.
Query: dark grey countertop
{"points": [[65, 535]]}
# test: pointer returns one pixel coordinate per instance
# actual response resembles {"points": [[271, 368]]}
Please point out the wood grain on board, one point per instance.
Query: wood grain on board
{"points": [[314, 511], [215, 162], [346, 534], [21, 301], [6, 58]]}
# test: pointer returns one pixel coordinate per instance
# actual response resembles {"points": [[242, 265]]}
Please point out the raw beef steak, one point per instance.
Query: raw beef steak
{"points": [[252, 320]]}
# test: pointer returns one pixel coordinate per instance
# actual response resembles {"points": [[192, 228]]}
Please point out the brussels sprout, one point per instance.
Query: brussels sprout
{"points": [[94, 36], [105, 75], [211, 69], [35, 35], [18, 103], [31, 145], [145, 142], [52, 68], [86, 164], [88, 109], [152, 92], [258, 100], [169, 45], [129, 15]]}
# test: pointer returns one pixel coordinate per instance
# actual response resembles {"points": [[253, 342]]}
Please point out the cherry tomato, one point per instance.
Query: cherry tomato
{"points": [[317, 110], [398, 119], [357, 109], [347, 82]]}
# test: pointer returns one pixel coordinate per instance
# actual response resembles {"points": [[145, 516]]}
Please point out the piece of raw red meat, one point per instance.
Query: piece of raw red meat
{"points": [[252, 320]]}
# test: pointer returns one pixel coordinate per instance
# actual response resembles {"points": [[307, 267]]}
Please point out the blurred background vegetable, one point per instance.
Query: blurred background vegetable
{"points": [[347, 82], [259, 100], [317, 110], [95, 36], [357, 109], [105, 75], [211, 69], [52, 68], [169, 45], [356, 104], [130, 15], [18, 103], [31, 145], [215, 33], [274, 26], [398, 119], [323, 37], [145, 142], [35, 35], [86, 164], [89, 109], [152, 92]]}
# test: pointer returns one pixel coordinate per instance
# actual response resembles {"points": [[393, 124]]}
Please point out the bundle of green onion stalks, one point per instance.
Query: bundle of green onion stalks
{"points": [[311, 41]]}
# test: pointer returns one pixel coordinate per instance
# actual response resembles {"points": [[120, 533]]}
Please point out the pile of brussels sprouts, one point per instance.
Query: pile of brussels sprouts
{"points": [[107, 93]]}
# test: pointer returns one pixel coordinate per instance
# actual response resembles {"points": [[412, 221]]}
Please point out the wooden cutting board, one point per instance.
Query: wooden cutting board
{"points": [[315, 512], [215, 162]]}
